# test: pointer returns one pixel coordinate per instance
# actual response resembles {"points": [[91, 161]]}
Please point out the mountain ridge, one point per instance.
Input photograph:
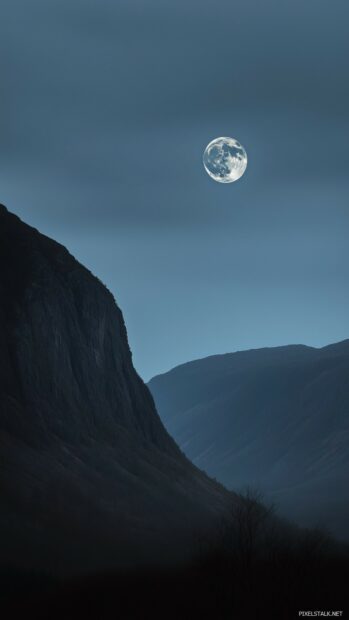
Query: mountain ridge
{"points": [[276, 418], [280, 348]]}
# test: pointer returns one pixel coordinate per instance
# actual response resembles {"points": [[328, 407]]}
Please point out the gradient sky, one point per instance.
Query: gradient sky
{"points": [[106, 107]]}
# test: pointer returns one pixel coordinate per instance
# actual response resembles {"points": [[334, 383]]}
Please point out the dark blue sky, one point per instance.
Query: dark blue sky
{"points": [[106, 107]]}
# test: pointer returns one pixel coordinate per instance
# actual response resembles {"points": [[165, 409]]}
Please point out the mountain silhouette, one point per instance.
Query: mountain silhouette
{"points": [[274, 418], [89, 477]]}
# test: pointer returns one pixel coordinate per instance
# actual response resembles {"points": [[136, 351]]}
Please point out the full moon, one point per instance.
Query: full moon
{"points": [[225, 160]]}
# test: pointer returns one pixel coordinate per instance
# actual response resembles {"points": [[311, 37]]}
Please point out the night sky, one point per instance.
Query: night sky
{"points": [[106, 107]]}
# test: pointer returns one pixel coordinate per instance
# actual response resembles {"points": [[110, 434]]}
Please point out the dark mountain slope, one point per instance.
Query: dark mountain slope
{"points": [[88, 474], [276, 418]]}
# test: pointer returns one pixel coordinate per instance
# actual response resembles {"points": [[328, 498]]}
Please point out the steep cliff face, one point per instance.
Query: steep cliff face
{"points": [[64, 347], [88, 473]]}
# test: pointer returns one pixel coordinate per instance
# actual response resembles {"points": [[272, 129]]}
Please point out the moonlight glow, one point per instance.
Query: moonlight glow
{"points": [[225, 160]]}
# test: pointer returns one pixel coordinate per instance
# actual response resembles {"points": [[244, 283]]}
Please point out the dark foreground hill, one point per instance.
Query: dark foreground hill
{"points": [[273, 418], [89, 477]]}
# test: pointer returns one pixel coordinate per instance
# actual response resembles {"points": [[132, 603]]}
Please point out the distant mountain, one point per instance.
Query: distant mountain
{"points": [[274, 418], [89, 477]]}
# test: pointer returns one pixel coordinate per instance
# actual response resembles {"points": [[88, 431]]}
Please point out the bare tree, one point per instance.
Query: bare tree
{"points": [[250, 521]]}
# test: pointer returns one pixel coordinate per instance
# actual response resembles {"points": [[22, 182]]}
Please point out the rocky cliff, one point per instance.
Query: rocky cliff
{"points": [[89, 476]]}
